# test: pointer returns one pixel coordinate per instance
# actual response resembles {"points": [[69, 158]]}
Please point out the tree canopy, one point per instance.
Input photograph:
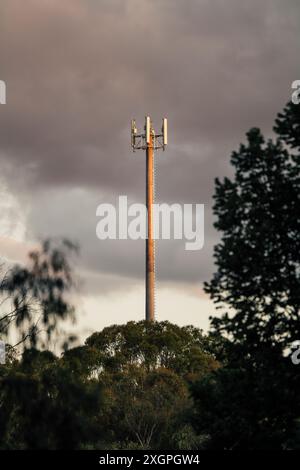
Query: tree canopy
{"points": [[251, 402], [33, 297]]}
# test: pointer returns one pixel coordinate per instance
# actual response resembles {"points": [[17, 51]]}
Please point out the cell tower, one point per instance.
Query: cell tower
{"points": [[149, 141]]}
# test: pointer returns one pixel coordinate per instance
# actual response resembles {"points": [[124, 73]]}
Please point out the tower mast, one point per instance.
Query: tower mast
{"points": [[150, 142], [150, 260]]}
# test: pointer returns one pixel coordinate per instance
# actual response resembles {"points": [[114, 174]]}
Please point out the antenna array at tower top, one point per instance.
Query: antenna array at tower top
{"points": [[142, 140]]}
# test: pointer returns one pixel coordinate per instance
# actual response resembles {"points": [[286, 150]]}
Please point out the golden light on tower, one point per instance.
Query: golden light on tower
{"points": [[149, 141]]}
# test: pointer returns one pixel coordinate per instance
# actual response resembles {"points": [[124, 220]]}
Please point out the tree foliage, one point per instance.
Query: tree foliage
{"points": [[34, 296], [145, 370], [251, 402], [185, 350], [258, 257], [44, 405], [108, 393]]}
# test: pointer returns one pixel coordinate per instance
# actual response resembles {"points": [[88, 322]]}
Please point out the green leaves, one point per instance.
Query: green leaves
{"points": [[151, 345]]}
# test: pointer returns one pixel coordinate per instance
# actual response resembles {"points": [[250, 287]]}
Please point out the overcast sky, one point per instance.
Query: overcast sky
{"points": [[76, 72]]}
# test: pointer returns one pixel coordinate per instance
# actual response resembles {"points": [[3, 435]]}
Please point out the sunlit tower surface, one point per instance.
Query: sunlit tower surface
{"points": [[149, 141]]}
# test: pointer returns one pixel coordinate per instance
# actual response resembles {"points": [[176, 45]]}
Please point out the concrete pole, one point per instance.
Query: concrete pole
{"points": [[150, 267]]}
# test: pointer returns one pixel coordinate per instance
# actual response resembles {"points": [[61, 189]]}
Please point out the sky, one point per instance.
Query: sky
{"points": [[77, 72]]}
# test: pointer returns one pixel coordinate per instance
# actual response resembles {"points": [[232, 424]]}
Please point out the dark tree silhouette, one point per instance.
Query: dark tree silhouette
{"points": [[287, 126], [252, 403], [44, 405], [258, 257], [34, 296]]}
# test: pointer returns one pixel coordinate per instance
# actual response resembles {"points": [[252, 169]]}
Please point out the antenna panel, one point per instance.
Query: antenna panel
{"points": [[148, 129], [133, 131], [165, 131]]}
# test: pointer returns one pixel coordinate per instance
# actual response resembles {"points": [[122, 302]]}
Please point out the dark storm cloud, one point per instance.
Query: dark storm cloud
{"points": [[77, 71], [72, 214]]}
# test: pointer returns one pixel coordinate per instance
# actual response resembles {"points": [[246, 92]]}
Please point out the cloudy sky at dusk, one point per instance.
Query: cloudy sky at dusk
{"points": [[76, 72]]}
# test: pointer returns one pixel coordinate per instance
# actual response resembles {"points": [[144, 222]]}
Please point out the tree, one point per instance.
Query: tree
{"points": [[252, 403], [33, 296], [145, 370], [258, 257], [144, 406], [287, 126], [44, 405], [184, 350], [247, 406]]}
